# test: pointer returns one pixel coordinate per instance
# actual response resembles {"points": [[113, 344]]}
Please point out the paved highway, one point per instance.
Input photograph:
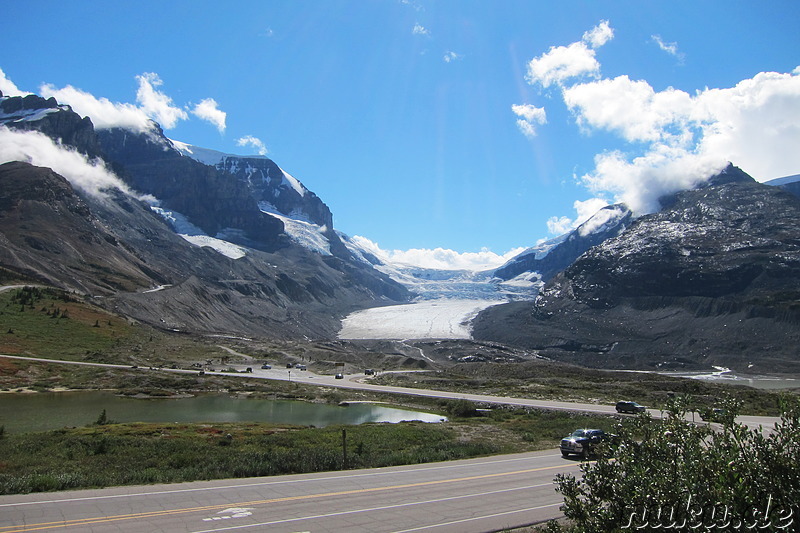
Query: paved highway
{"points": [[485, 494]]}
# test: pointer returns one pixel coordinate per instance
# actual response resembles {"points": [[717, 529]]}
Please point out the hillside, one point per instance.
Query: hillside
{"points": [[711, 279], [120, 241]]}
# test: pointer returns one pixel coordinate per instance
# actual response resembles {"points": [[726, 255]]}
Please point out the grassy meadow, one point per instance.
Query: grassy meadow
{"points": [[111, 454]]}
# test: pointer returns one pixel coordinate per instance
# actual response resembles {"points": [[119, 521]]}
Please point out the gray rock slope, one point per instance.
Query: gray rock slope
{"points": [[115, 249], [711, 279]]}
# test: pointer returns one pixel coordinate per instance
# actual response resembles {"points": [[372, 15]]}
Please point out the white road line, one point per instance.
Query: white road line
{"points": [[495, 515], [395, 506], [268, 483]]}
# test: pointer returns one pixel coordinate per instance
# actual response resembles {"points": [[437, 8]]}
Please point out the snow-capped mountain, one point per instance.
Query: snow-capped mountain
{"points": [[238, 246], [272, 187], [307, 221], [551, 257], [713, 278], [437, 284]]}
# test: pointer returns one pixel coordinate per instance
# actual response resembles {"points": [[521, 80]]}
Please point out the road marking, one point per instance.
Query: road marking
{"points": [[396, 470], [168, 512], [396, 506], [232, 512], [495, 515]]}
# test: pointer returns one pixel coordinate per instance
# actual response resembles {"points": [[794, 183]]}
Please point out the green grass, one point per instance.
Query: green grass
{"points": [[51, 323], [125, 454]]}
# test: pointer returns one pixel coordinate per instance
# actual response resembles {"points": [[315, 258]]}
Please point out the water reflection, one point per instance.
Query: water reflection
{"points": [[45, 411]]}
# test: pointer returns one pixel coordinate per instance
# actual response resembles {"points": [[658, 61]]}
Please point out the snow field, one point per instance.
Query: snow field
{"points": [[432, 319]]}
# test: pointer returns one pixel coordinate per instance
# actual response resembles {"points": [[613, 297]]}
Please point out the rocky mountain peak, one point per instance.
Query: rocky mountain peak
{"points": [[59, 122], [712, 278]]}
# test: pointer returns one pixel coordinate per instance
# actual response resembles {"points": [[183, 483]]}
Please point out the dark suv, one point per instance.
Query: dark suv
{"points": [[630, 407], [584, 442]]}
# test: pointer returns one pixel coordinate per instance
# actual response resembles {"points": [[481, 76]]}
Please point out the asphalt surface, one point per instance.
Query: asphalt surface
{"points": [[486, 494]]}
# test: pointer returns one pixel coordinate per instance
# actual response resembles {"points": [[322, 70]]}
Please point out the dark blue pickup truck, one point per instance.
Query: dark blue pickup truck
{"points": [[584, 442]]}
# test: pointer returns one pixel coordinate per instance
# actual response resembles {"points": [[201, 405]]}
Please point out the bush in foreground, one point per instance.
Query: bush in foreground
{"points": [[678, 476]]}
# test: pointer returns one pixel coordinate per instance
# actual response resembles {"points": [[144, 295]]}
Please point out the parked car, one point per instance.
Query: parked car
{"points": [[339, 376], [369, 372], [713, 415], [299, 366], [630, 407], [584, 442], [266, 366]]}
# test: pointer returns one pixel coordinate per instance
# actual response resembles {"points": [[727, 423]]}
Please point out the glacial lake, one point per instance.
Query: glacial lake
{"points": [[21, 413]]}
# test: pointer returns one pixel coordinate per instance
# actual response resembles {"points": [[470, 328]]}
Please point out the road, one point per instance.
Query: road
{"points": [[353, 382], [485, 494]]}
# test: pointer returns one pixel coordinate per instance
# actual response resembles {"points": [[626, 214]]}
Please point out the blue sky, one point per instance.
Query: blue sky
{"points": [[470, 126]]}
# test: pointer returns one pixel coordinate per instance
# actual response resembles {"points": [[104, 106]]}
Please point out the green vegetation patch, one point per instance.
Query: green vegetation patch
{"points": [[123, 454], [48, 322], [107, 454]]}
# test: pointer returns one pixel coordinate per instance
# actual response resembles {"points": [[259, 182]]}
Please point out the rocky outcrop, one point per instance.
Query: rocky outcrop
{"points": [[212, 200], [49, 233], [711, 279], [268, 183], [58, 122], [277, 191]]}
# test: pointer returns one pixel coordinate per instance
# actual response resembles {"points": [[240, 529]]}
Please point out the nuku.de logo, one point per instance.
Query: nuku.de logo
{"points": [[711, 517]]}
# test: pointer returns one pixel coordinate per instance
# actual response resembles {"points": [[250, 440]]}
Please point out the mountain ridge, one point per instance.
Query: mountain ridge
{"points": [[711, 279], [115, 247]]}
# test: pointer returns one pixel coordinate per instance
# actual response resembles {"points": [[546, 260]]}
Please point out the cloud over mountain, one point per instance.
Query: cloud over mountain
{"points": [[92, 177], [208, 110], [103, 112], [152, 104], [7, 87], [438, 258], [675, 139]]}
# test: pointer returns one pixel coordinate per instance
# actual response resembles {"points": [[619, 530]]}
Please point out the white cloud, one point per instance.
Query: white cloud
{"points": [[676, 140], [450, 56], [37, 149], [561, 63], [530, 116], [208, 110], [689, 138], [155, 103], [419, 29], [559, 225], [255, 142], [640, 182], [416, 5], [599, 35], [631, 108], [670, 48], [439, 258], [754, 124], [8, 87], [103, 112], [585, 210]]}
